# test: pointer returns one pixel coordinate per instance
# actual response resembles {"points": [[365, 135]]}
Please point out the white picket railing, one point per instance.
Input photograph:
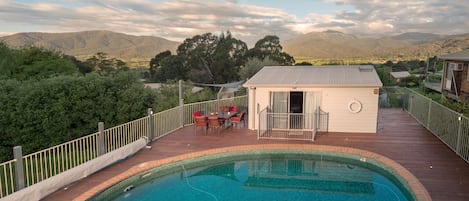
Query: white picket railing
{"points": [[46, 163], [7, 178], [291, 126]]}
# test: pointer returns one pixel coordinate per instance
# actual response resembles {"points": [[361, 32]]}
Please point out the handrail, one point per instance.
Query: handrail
{"points": [[49, 162], [451, 127], [291, 126]]}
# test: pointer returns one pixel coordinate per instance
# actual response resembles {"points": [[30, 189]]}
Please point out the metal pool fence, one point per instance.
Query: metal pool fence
{"points": [[450, 127]]}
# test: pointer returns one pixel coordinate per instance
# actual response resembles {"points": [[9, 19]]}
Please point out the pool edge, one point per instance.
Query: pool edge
{"points": [[416, 187]]}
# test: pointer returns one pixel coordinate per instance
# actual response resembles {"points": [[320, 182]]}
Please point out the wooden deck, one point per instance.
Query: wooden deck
{"points": [[399, 137]]}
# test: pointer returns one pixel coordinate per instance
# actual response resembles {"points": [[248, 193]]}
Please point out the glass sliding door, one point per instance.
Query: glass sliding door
{"points": [[310, 105], [279, 104], [293, 110]]}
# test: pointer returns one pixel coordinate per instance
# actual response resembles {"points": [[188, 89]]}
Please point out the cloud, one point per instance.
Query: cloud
{"points": [[381, 17], [180, 19]]}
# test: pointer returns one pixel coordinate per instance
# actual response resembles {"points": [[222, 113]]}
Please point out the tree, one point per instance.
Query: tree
{"points": [[270, 46], [171, 68], [33, 63], [212, 59], [383, 72], [228, 58], [83, 67], [253, 65], [42, 113], [8, 61], [389, 63], [304, 63], [105, 66], [155, 62], [197, 53]]}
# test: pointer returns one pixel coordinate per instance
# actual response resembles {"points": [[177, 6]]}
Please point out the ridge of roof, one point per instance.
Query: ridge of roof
{"points": [[316, 76], [461, 55]]}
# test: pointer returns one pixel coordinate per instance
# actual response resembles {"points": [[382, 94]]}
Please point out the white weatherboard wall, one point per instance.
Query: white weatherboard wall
{"points": [[336, 102], [333, 100]]}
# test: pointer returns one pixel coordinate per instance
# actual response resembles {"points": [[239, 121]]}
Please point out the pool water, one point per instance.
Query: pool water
{"points": [[267, 177]]}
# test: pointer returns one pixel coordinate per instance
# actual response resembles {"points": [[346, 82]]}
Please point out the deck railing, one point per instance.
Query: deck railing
{"points": [[322, 123], [30, 169], [52, 161], [7, 178], [208, 107], [450, 127], [291, 126], [265, 125], [124, 134]]}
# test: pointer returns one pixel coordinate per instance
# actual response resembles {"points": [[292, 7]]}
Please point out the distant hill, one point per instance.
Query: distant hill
{"points": [[337, 45], [138, 50], [87, 43], [443, 46], [333, 44], [417, 38]]}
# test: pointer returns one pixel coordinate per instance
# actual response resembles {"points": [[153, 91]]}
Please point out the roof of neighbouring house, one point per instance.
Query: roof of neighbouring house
{"points": [[401, 74], [315, 76], [158, 85], [462, 56]]}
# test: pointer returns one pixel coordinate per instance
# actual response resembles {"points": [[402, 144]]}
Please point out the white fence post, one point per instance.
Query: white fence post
{"points": [[19, 172], [458, 142], [429, 113], [150, 125], [101, 147], [181, 105], [411, 96]]}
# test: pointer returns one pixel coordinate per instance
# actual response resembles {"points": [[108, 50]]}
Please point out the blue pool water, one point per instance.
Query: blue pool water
{"points": [[264, 177]]}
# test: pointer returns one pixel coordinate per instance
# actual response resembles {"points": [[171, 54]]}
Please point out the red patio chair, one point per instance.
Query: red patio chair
{"points": [[215, 123], [238, 119], [200, 121], [196, 113], [234, 108]]}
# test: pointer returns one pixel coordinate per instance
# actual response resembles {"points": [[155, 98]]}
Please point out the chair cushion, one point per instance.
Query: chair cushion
{"points": [[197, 113]]}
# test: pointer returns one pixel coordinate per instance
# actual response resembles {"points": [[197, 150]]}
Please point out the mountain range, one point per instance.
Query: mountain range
{"points": [[317, 45], [336, 45], [87, 43]]}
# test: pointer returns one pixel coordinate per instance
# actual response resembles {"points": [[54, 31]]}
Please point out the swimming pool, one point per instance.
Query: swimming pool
{"points": [[265, 175]]}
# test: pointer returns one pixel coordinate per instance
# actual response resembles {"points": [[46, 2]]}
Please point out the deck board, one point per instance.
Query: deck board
{"points": [[399, 137]]}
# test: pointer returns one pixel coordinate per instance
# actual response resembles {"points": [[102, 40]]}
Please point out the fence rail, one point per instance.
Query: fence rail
{"points": [[121, 135], [450, 127], [208, 107], [49, 162], [291, 126], [7, 178], [165, 122], [52, 161], [264, 126]]}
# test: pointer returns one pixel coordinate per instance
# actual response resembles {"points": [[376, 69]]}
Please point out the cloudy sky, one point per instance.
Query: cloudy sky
{"points": [[248, 20]]}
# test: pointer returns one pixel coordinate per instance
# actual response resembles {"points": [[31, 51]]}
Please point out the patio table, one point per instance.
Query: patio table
{"points": [[226, 116]]}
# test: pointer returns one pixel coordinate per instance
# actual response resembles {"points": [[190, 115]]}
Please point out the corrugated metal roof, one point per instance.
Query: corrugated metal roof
{"points": [[315, 76], [462, 55], [401, 74]]}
